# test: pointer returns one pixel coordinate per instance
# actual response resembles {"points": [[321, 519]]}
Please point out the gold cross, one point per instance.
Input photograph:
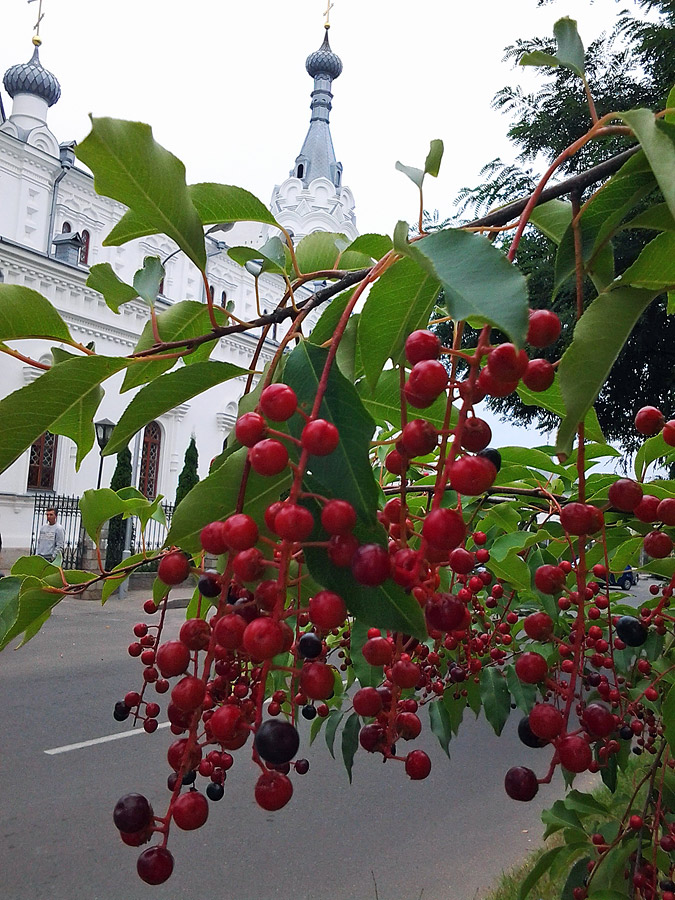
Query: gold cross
{"points": [[37, 40], [326, 13]]}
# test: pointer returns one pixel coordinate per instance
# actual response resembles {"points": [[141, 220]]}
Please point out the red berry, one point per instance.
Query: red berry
{"points": [[405, 673], [273, 791], [666, 511], [669, 433], [476, 434], [538, 626], [212, 538], [341, 549], [577, 518], [574, 753], [539, 375], [367, 702], [190, 810], [173, 658], [647, 508], [598, 720], [370, 565], [249, 429], [195, 634], [507, 363], [635, 822], [320, 437], [229, 631], [278, 402], [422, 345], [317, 681], [395, 463], [173, 568], [263, 638], [240, 531], [249, 565], [338, 517], [268, 457], [370, 737], [443, 529], [462, 561], [177, 751], [625, 494], [546, 721], [549, 579], [444, 612], [155, 865], [377, 651], [494, 387], [544, 328], [520, 783], [472, 475], [189, 693], [408, 726], [531, 668], [327, 610], [293, 522], [657, 544], [417, 765], [419, 438], [649, 420], [225, 723], [427, 379]]}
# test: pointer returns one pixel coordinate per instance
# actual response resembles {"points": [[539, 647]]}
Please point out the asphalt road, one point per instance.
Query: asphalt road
{"points": [[384, 837]]}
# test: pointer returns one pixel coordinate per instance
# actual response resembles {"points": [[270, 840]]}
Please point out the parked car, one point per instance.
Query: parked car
{"points": [[626, 580]]}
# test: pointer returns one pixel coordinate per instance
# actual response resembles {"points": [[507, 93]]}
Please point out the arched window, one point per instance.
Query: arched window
{"points": [[149, 469], [84, 250], [301, 170], [212, 291], [223, 299], [65, 228], [42, 463], [161, 287]]}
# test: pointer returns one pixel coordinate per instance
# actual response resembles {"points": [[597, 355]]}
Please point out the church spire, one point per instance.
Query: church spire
{"points": [[317, 156]]}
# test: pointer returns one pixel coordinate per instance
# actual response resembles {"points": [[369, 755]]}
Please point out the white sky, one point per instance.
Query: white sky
{"points": [[224, 87]]}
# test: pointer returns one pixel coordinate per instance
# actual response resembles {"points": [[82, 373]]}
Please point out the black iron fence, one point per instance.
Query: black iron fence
{"points": [[67, 515]]}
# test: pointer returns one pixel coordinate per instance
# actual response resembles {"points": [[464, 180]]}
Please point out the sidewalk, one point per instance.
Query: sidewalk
{"points": [[179, 598]]}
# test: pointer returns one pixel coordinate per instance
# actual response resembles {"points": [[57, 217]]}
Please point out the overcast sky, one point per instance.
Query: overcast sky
{"points": [[224, 87]]}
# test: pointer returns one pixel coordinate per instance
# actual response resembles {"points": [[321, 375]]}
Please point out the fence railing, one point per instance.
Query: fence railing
{"points": [[67, 515]]}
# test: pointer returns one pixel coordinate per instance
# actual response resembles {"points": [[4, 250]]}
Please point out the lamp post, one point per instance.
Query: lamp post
{"points": [[103, 429]]}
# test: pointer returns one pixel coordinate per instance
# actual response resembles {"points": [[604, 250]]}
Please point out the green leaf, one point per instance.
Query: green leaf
{"points": [[558, 817], [513, 569], [496, 698], [657, 139], [64, 401], [552, 219], [216, 498], [272, 255], [598, 338], [148, 279], [432, 163], [33, 565], [652, 449], [97, 507], [538, 58], [10, 586], [166, 392], [552, 401], [439, 717], [130, 167], [477, 280], [414, 174], [384, 402], [347, 350], [216, 203], [654, 269], [346, 472], [111, 584], [103, 278], [36, 599], [25, 313], [350, 742], [373, 245], [181, 321], [325, 328], [334, 719], [523, 694], [542, 865], [570, 52], [576, 878], [586, 804], [668, 717], [398, 303], [367, 675], [656, 218], [318, 251]]}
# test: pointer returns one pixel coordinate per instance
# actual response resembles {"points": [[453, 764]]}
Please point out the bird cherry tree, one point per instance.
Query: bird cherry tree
{"points": [[363, 558]]}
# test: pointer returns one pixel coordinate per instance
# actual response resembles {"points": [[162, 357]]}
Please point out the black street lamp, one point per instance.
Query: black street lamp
{"points": [[103, 429]]}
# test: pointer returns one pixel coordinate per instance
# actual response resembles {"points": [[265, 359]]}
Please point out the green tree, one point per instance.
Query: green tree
{"points": [[188, 477], [118, 526]]}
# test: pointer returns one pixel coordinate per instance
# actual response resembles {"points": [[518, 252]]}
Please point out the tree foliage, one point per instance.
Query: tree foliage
{"points": [[188, 477], [117, 526]]}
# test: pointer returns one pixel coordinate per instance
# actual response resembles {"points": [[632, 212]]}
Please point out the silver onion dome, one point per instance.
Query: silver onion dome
{"points": [[32, 78], [323, 61]]}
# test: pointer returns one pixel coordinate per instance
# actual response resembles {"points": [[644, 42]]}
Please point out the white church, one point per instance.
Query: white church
{"points": [[52, 227]]}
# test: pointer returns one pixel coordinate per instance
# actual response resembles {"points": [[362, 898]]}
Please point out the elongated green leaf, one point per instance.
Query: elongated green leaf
{"points": [[10, 586], [657, 139], [182, 321], [346, 472], [656, 218], [216, 203], [577, 877], [542, 865], [97, 507], [496, 698], [319, 251], [538, 58], [552, 400], [110, 585], [439, 717], [598, 338], [373, 245], [130, 167], [654, 269], [64, 401], [35, 601], [570, 52], [414, 174], [552, 218], [432, 163], [384, 402], [350, 742], [325, 328], [26, 314], [272, 256], [34, 565], [523, 694], [216, 498], [586, 804], [669, 718], [398, 303], [166, 392], [103, 278], [148, 279], [652, 449], [477, 279], [512, 569], [367, 675], [334, 720]]}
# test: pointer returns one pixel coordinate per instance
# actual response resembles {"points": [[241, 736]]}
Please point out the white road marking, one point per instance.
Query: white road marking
{"points": [[102, 740]]}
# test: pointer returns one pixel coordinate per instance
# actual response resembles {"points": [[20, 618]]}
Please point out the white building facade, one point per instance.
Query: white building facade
{"points": [[52, 225]]}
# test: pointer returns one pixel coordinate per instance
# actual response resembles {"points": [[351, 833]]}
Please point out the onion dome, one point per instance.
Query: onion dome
{"points": [[323, 61], [32, 78]]}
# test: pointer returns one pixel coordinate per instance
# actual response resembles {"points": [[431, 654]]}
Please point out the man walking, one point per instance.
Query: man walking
{"points": [[52, 537]]}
